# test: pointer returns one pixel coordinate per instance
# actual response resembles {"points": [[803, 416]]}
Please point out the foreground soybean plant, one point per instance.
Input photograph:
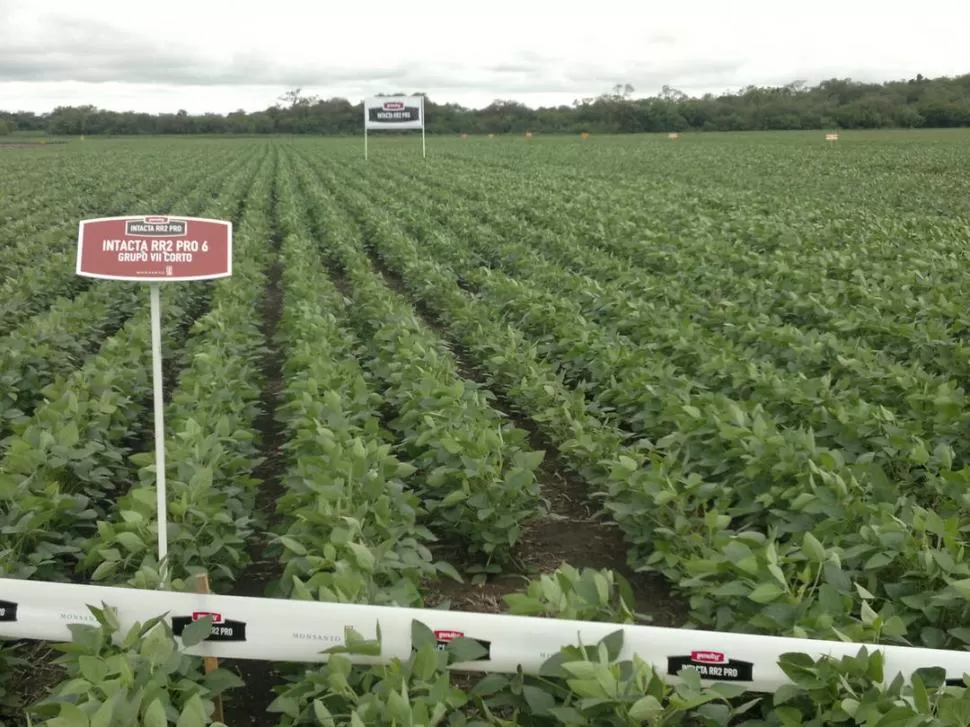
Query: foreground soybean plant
{"points": [[141, 678], [587, 685]]}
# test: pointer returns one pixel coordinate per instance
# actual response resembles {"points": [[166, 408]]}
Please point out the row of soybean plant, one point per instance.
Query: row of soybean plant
{"points": [[30, 280], [141, 675]]}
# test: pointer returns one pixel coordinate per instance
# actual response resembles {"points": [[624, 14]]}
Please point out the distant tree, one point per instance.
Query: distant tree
{"points": [[296, 117], [909, 118], [294, 97], [622, 91], [672, 94], [5, 127], [25, 121], [833, 103]]}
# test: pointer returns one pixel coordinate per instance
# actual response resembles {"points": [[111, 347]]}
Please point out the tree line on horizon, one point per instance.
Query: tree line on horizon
{"points": [[832, 104]]}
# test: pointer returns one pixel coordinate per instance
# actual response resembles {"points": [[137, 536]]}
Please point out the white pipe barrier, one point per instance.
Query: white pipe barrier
{"points": [[298, 631]]}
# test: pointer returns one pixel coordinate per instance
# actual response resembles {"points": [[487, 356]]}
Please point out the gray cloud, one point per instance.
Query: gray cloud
{"points": [[512, 67], [647, 79], [151, 56], [662, 39], [90, 51]]}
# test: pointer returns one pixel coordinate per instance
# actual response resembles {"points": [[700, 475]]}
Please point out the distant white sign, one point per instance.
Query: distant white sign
{"points": [[400, 113], [394, 112]]}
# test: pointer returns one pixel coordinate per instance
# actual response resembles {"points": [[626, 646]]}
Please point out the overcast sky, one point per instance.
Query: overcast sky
{"points": [[220, 55]]}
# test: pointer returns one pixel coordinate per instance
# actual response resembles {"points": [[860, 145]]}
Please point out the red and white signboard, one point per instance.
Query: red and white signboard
{"points": [[154, 248], [831, 137]]}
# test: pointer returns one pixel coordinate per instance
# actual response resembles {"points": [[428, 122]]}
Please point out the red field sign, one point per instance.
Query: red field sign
{"points": [[154, 248]]}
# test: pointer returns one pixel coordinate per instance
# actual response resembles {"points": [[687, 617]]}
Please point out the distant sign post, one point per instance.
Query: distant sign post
{"points": [[394, 112], [155, 250]]}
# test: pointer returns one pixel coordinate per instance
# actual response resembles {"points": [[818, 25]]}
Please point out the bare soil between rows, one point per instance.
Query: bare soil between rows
{"points": [[572, 533], [247, 705]]}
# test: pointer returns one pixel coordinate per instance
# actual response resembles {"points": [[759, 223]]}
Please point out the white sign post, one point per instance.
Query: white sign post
{"points": [[395, 112], [155, 249], [158, 397]]}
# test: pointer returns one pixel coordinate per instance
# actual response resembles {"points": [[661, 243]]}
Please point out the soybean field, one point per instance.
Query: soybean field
{"points": [[715, 382]]}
